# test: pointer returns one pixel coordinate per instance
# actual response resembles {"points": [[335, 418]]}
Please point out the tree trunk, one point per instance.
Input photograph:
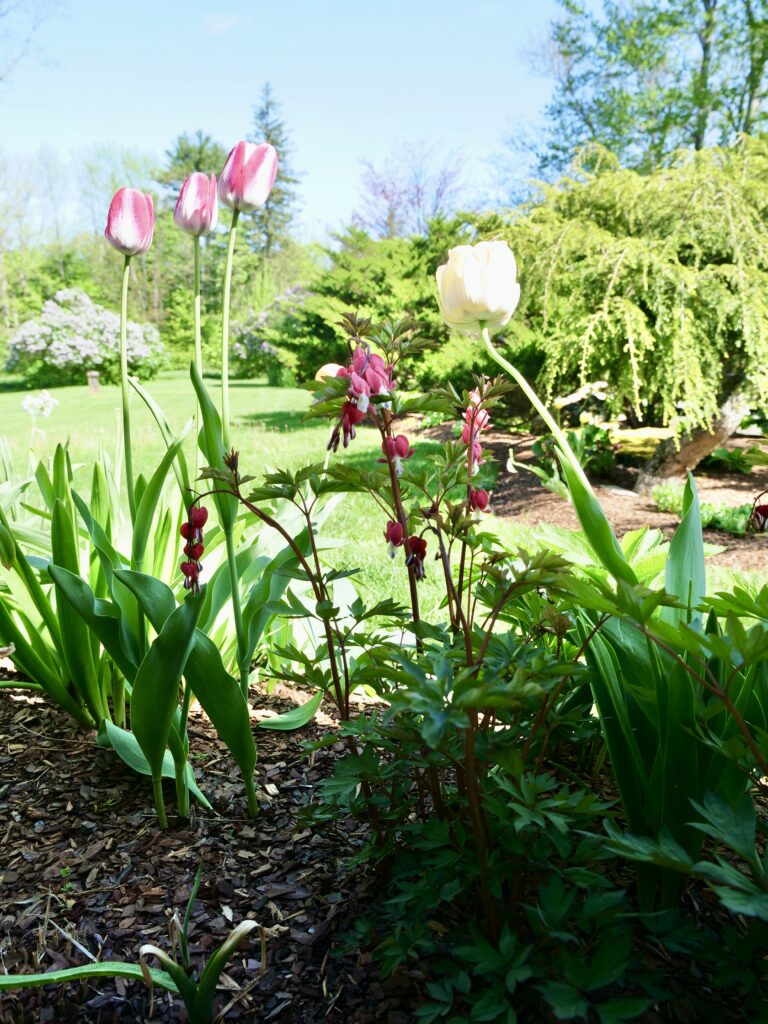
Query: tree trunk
{"points": [[671, 463]]}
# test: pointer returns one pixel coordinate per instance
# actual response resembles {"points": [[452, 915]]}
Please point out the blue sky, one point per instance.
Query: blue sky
{"points": [[355, 78]]}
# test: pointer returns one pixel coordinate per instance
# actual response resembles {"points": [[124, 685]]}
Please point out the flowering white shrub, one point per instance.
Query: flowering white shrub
{"points": [[73, 335]]}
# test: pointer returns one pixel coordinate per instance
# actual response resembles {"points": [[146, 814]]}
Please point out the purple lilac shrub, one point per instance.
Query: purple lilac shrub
{"points": [[73, 335]]}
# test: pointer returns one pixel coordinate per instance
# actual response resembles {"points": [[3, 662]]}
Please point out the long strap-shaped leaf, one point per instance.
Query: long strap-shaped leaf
{"points": [[75, 638], [145, 512], [101, 617], [156, 687], [107, 969]]}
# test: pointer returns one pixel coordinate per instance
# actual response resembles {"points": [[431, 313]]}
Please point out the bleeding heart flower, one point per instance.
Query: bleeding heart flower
{"points": [[198, 516], [396, 450], [394, 535], [478, 500], [418, 552]]}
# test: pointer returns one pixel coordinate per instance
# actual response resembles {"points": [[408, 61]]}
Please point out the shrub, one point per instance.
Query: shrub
{"points": [[254, 352], [73, 335]]}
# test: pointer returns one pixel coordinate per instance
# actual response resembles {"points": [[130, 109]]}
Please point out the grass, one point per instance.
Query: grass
{"points": [[268, 429]]}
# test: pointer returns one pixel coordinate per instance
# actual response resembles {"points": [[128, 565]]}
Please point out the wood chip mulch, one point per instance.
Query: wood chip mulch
{"points": [[85, 873]]}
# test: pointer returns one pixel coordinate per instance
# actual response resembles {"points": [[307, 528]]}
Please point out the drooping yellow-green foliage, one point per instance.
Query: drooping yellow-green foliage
{"points": [[657, 283]]}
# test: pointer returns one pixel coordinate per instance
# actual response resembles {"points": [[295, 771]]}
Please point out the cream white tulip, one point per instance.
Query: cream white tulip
{"points": [[478, 286]]}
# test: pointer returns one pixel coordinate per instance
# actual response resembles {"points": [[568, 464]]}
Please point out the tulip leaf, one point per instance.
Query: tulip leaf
{"points": [[156, 687], [155, 597], [127, 748], [596, 527], [180, 463], [101, 617], [145, 511], [296, 717], [685, 575], [211, 442], [75, 637], [222, 700], [105, 969]]}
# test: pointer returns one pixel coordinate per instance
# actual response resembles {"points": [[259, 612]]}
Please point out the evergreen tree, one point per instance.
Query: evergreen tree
{"points": [[267, 229], [188, 153]]}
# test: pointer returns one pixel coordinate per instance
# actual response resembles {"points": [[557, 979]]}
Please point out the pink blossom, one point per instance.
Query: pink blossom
{"points": [[130, 222], [248, 176], [478, 500], [396, 450], [476, 420], [197, 210], [394, 535]]}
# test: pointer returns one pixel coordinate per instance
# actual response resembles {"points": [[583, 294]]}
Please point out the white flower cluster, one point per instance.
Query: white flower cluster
{"points": [[72, 335], [41, 404]]}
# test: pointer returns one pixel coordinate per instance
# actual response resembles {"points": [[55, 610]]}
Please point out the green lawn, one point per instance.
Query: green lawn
{"points": [[267, 428]]}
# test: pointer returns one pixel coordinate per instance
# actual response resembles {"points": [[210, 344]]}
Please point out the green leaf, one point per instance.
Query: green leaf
{"points": [[296, 717], [566, 1001], [211, 442], [75, 637], [180, 463], [127, 748], [106, 969], [155, 597], [206, 988], [145, 513], [596, 527], [7, 547], [156, 687], [222, 700], [684, 572], [101, 617]]}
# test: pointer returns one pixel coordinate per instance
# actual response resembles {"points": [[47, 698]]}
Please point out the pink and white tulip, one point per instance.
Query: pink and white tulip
{"points": [[197, 210], [248, 176], [130, 222]]}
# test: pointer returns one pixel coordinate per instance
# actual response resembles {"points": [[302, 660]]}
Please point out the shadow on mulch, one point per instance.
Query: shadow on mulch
{"points": [[84, 863]]}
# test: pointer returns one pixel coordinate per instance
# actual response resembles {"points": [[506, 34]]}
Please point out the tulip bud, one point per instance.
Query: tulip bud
{"points": [[248, 176], [197, 210], [478, 286], [130, 222]]}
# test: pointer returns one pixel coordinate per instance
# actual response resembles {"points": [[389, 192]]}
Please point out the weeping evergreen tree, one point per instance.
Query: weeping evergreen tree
{"points": [[657, 283]]}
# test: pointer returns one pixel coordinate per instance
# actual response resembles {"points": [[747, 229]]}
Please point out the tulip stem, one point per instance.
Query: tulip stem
{"points": [[539, 406], [125, 392], [225, 329], [198, 348]]}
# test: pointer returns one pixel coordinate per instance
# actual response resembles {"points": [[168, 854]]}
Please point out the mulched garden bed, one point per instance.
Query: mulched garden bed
{"points": [[82, 864], [83, 867]]}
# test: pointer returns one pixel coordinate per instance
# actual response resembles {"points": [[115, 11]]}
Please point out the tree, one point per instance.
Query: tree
{"points": [[19, 21], [657, 283], [189, 153], [648, 77], [267, 229], [412, 187]]}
